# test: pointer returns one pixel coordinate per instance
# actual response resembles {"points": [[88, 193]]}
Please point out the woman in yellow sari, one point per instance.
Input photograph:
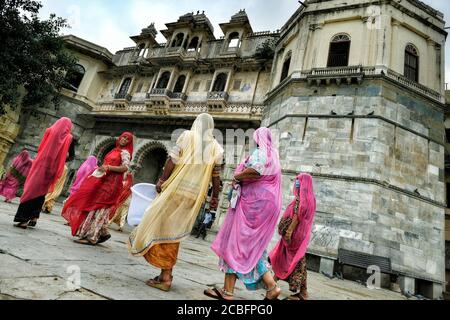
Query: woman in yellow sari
{"points": [[51, 197], [183, 187]]}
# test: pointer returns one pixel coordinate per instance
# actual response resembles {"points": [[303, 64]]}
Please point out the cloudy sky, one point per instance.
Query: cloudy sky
{"points": [[109, 23]]}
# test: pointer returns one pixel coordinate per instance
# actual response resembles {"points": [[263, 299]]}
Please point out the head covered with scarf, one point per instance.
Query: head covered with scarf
{"points": [[264, 139], [48, 166], [86, 168], [286, 256]]}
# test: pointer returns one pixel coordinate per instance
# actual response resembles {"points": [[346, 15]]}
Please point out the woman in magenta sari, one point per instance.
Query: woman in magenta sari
{"points": [[246, 233], [15, 177], [288, 257], [86, 169]]}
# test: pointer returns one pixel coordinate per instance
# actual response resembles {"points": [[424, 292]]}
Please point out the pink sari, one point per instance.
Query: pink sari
{"points": [[48, 166], [248, 229], [85, 170], [285, 256], [16, 175]]}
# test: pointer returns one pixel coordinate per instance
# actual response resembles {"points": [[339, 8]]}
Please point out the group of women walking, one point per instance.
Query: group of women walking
{"points": [[101, 195]]}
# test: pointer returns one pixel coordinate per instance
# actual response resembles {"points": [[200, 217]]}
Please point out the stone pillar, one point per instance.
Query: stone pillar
{"points": [[407, 285], [317, 45], [365, 44], [395, 50], [171, 80], [327, 266], [157, 79], [186, 83], [429, 64], [432, 290], [227, 85], [381, 49]]}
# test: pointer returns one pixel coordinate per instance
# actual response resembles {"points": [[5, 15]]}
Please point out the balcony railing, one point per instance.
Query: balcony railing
{"points": [[218, 95], [359, 72], [414, 85], [123, 96], [178, 96], [159, 92]]}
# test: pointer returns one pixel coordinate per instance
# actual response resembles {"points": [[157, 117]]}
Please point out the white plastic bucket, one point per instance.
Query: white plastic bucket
{"points": [[142, 197]]}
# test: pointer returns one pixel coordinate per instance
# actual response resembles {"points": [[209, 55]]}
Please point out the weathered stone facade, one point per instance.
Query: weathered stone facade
{"points": [[372, 137]]}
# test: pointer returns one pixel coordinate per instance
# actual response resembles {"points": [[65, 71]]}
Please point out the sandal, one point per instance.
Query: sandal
{"points": [[85, 242], [22, 225], [272, 289], [103, 239], [217, 294], [157, 284], [32, 223]]}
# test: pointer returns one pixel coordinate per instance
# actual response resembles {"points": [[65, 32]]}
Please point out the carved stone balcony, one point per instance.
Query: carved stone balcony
{"points": [[217, 101], [158, 97], [177, 101], [350, 74], [122, 100], [172, 55], [337, 74]]}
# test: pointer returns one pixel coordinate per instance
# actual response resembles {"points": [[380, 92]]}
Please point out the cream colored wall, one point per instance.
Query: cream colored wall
{"points": [[92, 82], [380, 44], [321, 47], [427, 71], [202, 91]]}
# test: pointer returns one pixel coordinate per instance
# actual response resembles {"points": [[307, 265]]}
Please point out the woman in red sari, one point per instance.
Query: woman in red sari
{"points": [[119, 212], [89, 208], [45, 171]]}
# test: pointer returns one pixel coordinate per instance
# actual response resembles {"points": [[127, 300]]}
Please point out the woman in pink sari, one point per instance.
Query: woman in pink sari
{"points": [[288, 257], [85, 170], [45, 171], [15, 177], [246, 233]]}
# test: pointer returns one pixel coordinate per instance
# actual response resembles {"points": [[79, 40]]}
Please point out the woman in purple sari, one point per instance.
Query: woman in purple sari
{"points": [[16, 176], [86, 169], [246, 233]]}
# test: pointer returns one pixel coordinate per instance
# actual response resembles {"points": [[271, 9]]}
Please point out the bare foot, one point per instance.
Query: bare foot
{"points": [[273, 294]]}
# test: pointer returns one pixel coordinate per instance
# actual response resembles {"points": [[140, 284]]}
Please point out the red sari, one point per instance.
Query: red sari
{"points": [[97, 193]]}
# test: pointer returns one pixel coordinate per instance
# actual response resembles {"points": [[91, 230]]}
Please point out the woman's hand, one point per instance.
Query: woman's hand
{"points": [[103, 168], [159, 186], [288, 236], [214, 203]]}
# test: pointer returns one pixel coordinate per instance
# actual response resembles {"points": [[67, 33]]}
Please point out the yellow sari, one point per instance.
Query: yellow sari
{"points": [[50, 198], [172, 215]]}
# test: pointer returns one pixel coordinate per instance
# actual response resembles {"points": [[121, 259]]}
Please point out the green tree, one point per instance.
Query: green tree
{"points": [[266, 50], [33, 61]]}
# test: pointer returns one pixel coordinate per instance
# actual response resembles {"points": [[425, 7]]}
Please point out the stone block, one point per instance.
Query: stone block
{"points": [[432, 290], [327, 266], [407, 285]]}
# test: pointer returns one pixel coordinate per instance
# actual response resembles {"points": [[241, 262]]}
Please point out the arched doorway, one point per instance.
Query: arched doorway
{"points": [[150, 163]]}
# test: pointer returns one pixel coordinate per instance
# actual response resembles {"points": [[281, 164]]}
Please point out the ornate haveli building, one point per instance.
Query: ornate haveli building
{"points": [[356, 90]]}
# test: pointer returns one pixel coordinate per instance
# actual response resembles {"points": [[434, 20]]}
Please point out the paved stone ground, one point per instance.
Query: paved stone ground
{"points": [[34, 265]]}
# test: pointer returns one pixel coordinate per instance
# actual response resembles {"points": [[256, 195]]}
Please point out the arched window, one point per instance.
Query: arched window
{"points": [[339, 51], [411, 63], [178, 40], [163, 81], [125, 86], [233, 41], [180, 84], [286, 66], [193, 45], [74, 77], [220, 83]]}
